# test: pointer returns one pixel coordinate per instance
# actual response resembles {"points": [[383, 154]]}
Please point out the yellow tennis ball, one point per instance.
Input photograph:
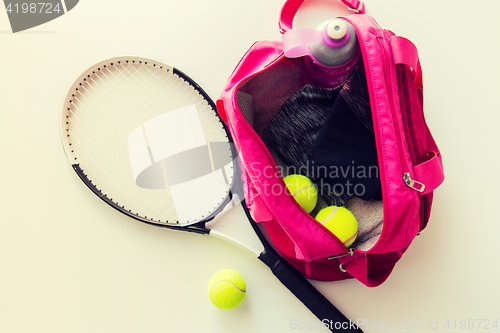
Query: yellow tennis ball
{"points": [[226, 289], [303, 191], [341, 222]]}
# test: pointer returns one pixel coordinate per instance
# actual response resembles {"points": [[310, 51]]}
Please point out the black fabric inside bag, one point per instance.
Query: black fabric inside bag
{"points": [[344, 158], [327, 135]]}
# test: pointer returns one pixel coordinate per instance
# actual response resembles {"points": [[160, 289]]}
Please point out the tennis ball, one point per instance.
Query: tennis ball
{"points": [[341, 222], [226, 289], [303, 191]]}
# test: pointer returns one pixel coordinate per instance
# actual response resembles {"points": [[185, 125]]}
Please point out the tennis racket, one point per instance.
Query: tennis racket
{"points": [[147, 140]]}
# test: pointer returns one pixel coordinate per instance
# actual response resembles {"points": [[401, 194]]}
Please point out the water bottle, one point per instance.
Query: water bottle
{"points": [[330, 54]]}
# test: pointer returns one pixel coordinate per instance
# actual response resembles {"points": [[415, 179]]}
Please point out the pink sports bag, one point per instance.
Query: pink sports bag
{"points": [[409, 165]]}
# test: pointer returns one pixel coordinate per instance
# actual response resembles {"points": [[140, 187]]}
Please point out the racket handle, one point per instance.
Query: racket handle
{"points": [[326, 312]]}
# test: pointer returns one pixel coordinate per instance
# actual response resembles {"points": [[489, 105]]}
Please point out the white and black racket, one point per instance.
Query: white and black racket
{"points": [[147, 140]]}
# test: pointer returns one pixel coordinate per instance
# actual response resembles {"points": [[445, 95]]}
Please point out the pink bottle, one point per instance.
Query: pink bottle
{"points": [[330, 54]]}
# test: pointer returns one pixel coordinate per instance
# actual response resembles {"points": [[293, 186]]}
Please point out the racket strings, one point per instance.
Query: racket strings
{"points": [[96, 103], [96, 85], [109, 104], [95, 90]]}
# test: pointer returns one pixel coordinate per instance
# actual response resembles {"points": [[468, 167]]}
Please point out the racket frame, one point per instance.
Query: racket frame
{"points": [[195, 226]]}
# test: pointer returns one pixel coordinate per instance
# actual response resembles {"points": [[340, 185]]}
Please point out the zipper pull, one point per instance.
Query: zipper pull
{"points": [[350, 252], [417, 186]]}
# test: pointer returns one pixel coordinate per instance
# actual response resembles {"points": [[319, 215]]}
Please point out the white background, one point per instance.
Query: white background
{"points": [[69, 263]]}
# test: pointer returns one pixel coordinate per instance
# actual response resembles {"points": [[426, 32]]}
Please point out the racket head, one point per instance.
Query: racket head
{"points": [[146, 139]]}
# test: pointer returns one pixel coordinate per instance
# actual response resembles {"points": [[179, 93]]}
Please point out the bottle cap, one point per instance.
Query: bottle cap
{"points": [[336, 29], [339, 49]]}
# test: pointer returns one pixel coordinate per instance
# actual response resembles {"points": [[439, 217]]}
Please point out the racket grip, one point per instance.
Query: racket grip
{"points": [[326, 312]]}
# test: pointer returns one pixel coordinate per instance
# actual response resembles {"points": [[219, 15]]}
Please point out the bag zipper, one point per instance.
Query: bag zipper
{"points": [[350, 252], [411, 183], [409, 129], [411, 138]]}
